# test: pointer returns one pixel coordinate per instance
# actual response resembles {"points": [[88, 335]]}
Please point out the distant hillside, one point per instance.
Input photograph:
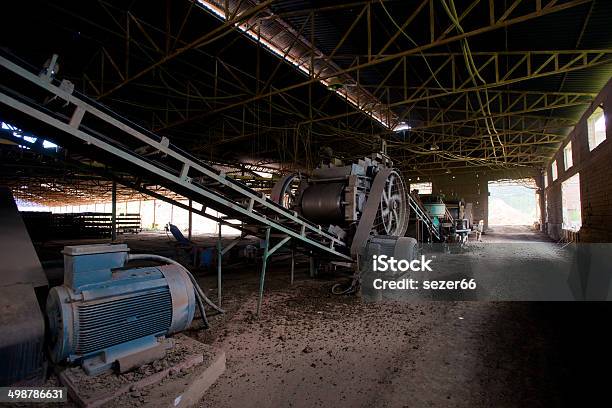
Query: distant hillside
{"points": [[512, 205]]}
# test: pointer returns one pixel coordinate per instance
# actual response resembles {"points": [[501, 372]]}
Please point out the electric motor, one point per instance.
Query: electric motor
{"points": [[101, 313]]}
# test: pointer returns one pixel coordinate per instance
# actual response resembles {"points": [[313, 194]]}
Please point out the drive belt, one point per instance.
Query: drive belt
{"points": [[366, 222]]}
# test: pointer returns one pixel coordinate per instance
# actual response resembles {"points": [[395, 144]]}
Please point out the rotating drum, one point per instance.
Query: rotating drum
{"points": [[322, 203]]}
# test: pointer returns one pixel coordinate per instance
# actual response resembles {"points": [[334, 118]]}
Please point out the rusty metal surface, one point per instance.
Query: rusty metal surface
{"points": [[19, 263], [22, 340]]}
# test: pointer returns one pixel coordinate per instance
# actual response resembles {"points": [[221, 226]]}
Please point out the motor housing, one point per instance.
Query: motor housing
{"points": [[104, 311]]}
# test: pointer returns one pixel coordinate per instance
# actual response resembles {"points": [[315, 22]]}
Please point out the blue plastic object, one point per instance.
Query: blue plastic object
{"points": [[177, 234], [207, 257]]}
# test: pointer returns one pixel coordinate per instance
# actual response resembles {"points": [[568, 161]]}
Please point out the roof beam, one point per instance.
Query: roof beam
{"points": [[548, 9], [553, 64], [213, 35]]}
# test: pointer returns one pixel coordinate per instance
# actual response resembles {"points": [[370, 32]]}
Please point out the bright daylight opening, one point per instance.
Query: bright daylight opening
{"points": [[512, 202], [568, 159], [570, 195], [423, 187], [596, 128]]}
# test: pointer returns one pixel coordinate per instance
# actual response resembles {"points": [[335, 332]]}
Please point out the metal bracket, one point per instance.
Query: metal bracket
{"points": [[220, 252], [267, 253]]}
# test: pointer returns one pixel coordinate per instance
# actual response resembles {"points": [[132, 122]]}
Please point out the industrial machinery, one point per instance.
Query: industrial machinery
{"points": [[105, 312], [332, 213], [351, 201], [447, 218], [396, 247], [456, 208], [22, 290], [436, 210]]}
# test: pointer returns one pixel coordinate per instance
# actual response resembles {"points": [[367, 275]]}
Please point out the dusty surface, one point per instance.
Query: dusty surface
{"points": [[512, 263], [513, 233], [376, 355], [328, 351], [107, 384], [311, 348]]}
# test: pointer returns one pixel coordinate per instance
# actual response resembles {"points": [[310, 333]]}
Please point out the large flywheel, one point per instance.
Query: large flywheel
{"points": [[285, 191], [393, 215]]}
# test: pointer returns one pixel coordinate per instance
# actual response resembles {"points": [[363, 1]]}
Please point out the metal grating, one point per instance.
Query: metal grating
{"points": [[105, 324]]}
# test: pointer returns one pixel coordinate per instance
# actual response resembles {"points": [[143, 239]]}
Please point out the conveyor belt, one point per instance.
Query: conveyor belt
{"points": [[74, 121]]}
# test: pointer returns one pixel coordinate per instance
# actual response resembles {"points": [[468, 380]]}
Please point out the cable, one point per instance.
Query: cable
{"points": [[202, 312], [196, 294], [488, 105], [473, 71], [198, 290], [412, 41], [349, 290]]}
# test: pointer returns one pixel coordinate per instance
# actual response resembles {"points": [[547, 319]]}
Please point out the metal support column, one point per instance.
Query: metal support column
{"points": [[311, 263], [219, 260], [220, 252], [264, 262], [292, 264], [262, 276], [114, 212], [190, 220]]}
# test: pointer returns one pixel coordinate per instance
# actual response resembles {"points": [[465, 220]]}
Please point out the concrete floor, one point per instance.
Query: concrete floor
{"points": [[311, 348]]}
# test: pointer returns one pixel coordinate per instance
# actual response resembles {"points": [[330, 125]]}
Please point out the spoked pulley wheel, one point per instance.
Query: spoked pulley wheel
{"points": [[285, 192], [394, 211]]}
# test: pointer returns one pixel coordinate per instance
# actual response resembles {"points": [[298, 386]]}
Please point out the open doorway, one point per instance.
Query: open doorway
{"points": [[570, 204], [513, 202]]}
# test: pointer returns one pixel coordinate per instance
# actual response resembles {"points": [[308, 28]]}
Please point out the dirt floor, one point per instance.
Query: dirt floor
{"points": [[312, 348], [513, 233]]}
